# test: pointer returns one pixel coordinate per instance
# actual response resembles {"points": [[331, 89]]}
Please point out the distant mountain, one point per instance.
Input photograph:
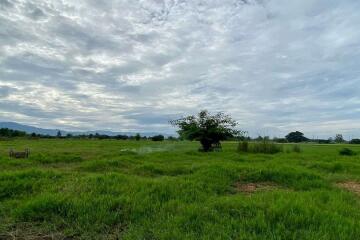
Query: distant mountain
{"points": [[53, 132], [29, 129]]}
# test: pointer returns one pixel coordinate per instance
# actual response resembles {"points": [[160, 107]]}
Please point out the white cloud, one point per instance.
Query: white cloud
{"points": [[275, 65]]}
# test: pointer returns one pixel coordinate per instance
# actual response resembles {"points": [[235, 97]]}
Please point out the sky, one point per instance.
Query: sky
{"points": [[274, 65]]}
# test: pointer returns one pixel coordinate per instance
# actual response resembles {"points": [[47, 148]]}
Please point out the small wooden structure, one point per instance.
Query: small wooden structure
{"points": [[24, 154]]}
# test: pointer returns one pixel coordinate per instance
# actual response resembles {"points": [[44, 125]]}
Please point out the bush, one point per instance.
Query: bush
{"points": [[158, 138], [347, 152], [264, 146], [296, 148], [267, 147]]}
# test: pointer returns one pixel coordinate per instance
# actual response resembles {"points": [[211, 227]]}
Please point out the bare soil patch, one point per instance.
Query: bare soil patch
{"points": [[351, 186], [249, 188]]}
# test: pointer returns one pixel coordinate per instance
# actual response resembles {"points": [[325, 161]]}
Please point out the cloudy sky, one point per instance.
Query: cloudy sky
{"points": [[274, 65]]}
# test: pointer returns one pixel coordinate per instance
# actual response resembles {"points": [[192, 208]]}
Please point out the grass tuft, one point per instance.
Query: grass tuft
{"points": [[264, 146]]}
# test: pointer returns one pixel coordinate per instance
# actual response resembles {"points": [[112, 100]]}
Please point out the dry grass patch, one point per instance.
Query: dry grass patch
{"points": [[29, 231], [350, 186], [249, 188]]}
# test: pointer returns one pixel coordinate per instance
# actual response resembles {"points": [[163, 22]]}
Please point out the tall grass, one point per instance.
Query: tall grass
{"points": [[264, 146], [98, 189], [296, 148]]}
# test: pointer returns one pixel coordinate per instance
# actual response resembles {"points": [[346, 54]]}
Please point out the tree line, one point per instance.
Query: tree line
{"points": [[293, 137], [186, 134], [10, 133]]}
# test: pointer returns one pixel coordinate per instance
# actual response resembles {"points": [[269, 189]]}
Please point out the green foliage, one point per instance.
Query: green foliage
{"points": [[113, 189], [5, 132], [9, 133], [171, 138], [296, 137], [206, 128], [137, 137], [339, 138], [264, 146], [243, 146], [60, 158], [158, 138], [347, 152]]}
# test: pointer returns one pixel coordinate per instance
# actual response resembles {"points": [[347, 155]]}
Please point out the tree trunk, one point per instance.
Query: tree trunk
{"points": [[206, 145]]}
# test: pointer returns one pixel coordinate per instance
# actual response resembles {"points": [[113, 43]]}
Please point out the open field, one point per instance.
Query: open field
{"points": [[92, 189]]}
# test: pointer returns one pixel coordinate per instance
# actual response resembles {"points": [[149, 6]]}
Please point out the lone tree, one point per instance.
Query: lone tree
{"points": [[206, 128], [137, 137], [296, 137], [58, 134], [339, 138]]}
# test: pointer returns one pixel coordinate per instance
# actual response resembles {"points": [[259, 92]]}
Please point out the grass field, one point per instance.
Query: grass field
{"points": [[92, 189]]}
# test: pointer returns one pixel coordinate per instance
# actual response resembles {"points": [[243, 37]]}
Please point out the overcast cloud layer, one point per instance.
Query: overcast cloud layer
{"points": [[274, 65]]}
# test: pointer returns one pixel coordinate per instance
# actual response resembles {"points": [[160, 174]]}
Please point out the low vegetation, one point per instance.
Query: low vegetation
{"points": [[111, 189], [347, 152], [264, 146], [158, 138], [296, 148]]}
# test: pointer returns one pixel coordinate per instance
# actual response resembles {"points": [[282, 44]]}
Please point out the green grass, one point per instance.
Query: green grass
{"points": [[108, 189]]}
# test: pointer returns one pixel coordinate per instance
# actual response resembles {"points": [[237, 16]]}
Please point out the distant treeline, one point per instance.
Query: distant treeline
{"points": [[319, 141], [5, 132], [10, 133], [298, 137], [293, 137]]}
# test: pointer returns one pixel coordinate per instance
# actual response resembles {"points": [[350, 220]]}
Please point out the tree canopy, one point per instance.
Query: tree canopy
{"points": [[296, 137], [137, 137], [206, 128], [6, 132], [339, 138], [158, 138]]}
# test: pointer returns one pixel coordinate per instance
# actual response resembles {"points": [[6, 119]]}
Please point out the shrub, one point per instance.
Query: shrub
{"points": [[158, 138], [347, 152], [264, 146], [267, 147]]}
